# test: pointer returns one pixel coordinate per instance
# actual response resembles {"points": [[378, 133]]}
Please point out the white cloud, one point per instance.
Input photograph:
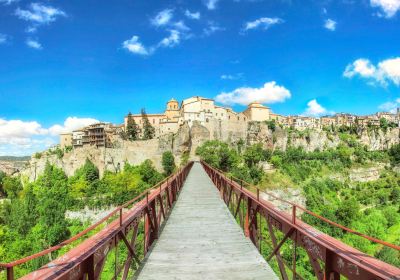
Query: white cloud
{"points": [[8, 2], [19, 137], [20, 129], [388, 7], [194, 15], [31, 29], [263, 22], [385, 72], [390, 70], [362, 67], [39, 13], [314, 109], [232, 76], [34, 44], [172, 40], [390, 106], [211, 4], [3, 38], [163, 17], [181, 25], [269, 93], [211, 28], [330, 24], [133, 45], [71, 124]]}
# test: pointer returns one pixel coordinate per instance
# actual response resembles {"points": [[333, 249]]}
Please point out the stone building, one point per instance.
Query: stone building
{"points": [[303, 122], [65, 140], [257, 112]]}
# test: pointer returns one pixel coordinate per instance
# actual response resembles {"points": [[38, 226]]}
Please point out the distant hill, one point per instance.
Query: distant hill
{"points": [[13, 158]]}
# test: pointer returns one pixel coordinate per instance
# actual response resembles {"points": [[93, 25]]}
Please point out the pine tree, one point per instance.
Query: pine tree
{"points": [[132, 129], [148, 129]]}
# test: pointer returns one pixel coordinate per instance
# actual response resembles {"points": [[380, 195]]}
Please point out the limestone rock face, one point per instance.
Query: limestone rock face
{"points": [[379, 139], [182, 140], [366, 174], [198, 135], [187, 139]]}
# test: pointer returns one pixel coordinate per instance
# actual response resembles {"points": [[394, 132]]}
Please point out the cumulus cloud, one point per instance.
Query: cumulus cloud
{"points": [[388, 7], [71, 124], [18, 137], [211, 4], [387, 71], [211, 28], [390, 106], [264, 23], [39, 13], [172, 40], [133, 45], [162, 18], [192, 15], [330, 24], [269, 93], [236, 76], [34, 44], [314, 109]]}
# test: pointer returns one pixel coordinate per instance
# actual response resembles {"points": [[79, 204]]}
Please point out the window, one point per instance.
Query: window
{"points": [[206, 119]]}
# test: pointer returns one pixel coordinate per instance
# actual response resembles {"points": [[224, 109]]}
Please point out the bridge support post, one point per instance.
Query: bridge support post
{"points": [[150, 225], [10, 273], [247, 219], [330, 274]]}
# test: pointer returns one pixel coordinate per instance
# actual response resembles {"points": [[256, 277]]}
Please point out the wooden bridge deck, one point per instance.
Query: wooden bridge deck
{"points": [[201, 239]]}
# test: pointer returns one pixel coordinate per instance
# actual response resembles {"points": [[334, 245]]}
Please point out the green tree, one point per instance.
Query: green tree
{"points": [[383, 123], [53, 201], [149, 174], [90, 171], [12, 186], [148, 129], [394, 153], [2, 176], [168, 163], [218, 154], [389, 255], [348, 211], [253, 155], [132, 129]]}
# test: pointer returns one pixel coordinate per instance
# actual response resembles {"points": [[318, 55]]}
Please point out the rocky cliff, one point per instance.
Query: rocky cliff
{"points": [[313, 139], [187, 139]]}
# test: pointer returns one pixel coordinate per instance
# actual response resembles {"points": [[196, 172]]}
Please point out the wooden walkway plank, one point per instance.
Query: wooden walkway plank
{"points": [[201, 239]]}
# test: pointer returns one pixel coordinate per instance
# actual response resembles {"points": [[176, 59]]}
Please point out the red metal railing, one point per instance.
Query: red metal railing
{"points": [[87, 260], [329, 257]]}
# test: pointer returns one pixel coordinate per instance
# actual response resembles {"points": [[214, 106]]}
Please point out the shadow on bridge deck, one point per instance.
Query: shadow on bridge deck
{"points": [[201, 239]]}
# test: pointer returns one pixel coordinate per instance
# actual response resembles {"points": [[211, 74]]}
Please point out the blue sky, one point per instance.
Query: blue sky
{"points": [[68, 63]]}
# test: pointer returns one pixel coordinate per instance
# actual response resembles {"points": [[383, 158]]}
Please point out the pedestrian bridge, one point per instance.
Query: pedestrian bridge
{"points": [[202, 240], [200, 224]]}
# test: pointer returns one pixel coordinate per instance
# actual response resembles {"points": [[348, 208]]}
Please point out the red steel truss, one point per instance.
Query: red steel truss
{"points": [[328, 256], [136, 228], [87, 260]]}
